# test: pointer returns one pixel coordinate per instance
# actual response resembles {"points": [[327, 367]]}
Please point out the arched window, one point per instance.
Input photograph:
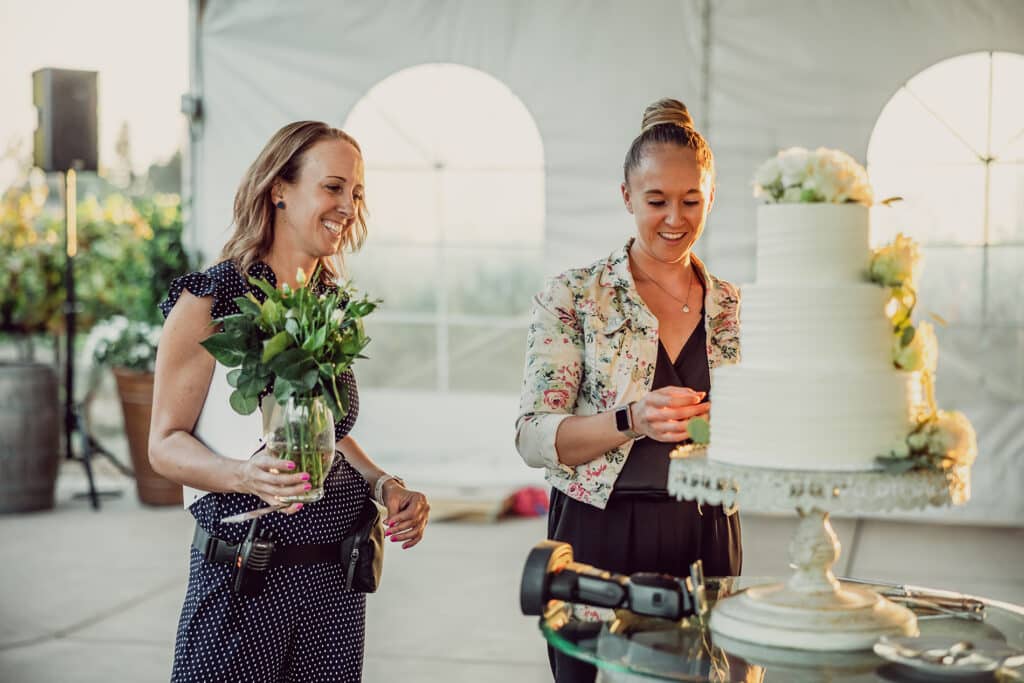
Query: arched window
{"points": [[455, 188], [951, 143]]}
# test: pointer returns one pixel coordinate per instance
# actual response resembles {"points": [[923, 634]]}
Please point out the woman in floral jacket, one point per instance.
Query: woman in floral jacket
{"points": [[619, 357]]}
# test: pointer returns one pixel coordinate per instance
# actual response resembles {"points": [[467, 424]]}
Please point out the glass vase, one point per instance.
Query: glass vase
{"points": [[302, 431]]}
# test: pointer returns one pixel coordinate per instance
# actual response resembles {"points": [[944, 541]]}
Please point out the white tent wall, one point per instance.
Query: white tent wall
{"points": [[758, 76]]}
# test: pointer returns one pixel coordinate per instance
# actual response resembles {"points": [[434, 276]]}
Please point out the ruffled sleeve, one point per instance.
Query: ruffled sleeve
{"points": [[222, 282], [199, 284]]}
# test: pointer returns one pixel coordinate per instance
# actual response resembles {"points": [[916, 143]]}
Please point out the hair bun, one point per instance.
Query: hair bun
{"points": [[666, 111]]}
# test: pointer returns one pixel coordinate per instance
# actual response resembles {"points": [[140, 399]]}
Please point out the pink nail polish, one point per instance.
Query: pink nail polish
{"points": [[305, 477], [291, 465], [298, 507], [387, 533], [307, 487]]}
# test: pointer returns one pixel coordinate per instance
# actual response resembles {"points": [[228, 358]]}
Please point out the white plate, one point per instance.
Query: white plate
{"points": [[983, 658]]}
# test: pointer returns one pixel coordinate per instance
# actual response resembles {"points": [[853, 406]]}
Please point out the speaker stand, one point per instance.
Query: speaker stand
{"points": [[73, 421]]}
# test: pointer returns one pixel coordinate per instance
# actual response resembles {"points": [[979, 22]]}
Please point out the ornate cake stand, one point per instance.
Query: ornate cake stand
{"points": [[812, 610]]}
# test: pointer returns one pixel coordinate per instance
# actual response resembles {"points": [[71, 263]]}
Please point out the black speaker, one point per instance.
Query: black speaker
{"points": [[66, 134]]}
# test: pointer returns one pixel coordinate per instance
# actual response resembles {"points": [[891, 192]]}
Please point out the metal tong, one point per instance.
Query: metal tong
{"points": [[928, 604]]}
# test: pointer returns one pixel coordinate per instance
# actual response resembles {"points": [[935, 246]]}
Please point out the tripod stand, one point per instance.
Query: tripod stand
{"points": [[75, 419]]}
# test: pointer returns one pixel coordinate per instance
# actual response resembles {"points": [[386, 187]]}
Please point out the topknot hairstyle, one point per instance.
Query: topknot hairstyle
{"points": [[668, 121]]}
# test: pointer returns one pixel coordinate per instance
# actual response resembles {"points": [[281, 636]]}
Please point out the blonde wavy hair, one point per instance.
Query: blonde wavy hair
{"points": [[281, 159]]}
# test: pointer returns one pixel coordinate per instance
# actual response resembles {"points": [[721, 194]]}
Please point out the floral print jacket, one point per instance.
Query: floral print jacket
{"points": [[592, 346]]}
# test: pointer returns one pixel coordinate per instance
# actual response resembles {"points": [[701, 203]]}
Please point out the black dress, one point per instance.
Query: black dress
{"points": [[643, 529], [302, 626]]}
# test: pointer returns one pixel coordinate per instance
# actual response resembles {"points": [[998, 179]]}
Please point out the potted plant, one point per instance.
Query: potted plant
{"points": [[127, 342], [128, 348], [128, 251], [30, 305]]}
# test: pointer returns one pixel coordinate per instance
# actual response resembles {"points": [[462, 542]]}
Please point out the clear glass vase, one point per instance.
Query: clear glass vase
{"points": [[302, 430]]}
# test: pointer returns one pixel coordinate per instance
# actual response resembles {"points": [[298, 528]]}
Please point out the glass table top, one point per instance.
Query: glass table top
{"points": [[633, 648]]}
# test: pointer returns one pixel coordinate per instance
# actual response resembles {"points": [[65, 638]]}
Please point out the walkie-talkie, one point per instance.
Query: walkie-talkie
{"points": [[253, 561]]}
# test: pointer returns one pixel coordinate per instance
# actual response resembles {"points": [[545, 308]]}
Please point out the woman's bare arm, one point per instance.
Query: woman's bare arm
{"points": [[183, 372]]}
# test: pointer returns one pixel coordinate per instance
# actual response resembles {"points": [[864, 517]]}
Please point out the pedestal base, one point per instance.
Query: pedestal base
{"points": [[812, 611], [851, 618]]}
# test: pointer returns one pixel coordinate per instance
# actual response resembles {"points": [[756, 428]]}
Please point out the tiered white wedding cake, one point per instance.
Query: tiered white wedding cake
{"points": [[835, 377], [816, 388]]}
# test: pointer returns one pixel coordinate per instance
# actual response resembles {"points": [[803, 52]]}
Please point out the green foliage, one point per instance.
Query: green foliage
{"points": [[128, 253], [163, 257], [891, 464], [939, 442], [302, 341], [31, 264]]}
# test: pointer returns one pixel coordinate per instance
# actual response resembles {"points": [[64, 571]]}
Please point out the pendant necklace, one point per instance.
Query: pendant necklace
{"points": [[685, 303]]}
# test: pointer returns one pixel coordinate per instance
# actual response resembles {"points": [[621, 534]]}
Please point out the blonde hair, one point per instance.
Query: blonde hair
{"points": [[668, 121], [281, 159]]}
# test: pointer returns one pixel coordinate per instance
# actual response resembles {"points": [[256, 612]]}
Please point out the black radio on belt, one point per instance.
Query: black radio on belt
{"points": [[253, 561]]}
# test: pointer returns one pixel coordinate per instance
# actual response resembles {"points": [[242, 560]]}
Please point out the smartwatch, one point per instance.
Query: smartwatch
{"points": [[624, 422]]}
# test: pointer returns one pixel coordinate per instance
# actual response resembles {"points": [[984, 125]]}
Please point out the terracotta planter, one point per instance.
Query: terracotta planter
{"points": [[30, 429], [136, 390]]}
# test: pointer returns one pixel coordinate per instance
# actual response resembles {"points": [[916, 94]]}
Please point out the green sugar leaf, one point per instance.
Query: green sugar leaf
{"points": [[907, 336], [700, 430]]}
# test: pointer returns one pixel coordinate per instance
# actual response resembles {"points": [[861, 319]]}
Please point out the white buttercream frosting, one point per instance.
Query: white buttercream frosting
{"points": [[816, 389], [796, 418], [815, 327], [812, 244]]}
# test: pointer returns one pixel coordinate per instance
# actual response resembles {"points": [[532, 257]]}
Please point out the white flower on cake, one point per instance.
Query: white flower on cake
{"points": [[897, 264], [952, 434], [794, 166], [921, 353], [824, 175], [769, 173], [943, 441]]}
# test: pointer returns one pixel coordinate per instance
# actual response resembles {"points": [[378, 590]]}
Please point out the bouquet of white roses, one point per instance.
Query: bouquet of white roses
{"points": [[303, 343], [798, 175]]}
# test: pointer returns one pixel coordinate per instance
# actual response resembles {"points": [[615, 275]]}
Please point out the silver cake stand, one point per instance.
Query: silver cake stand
{"points": [[812, 610]]}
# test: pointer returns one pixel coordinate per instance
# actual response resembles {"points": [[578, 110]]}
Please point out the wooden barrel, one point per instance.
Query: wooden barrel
{"points": [[30, 429], [136, 390]]}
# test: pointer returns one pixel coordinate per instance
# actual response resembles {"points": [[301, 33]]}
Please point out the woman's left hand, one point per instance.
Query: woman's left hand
{"points": [[407, 514]]}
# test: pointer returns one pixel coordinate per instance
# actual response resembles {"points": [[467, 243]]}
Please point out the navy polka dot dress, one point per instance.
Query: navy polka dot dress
{"points": [[303, 626]]}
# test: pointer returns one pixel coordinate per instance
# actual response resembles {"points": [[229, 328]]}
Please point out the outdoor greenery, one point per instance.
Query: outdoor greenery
{"points": [[129, 249]]}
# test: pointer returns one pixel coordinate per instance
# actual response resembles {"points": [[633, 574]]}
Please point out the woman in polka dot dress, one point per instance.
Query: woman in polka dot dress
{"points": [[298, 206]]}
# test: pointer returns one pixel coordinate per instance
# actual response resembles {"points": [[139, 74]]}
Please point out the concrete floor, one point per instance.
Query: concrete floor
{"points": [[94, 596]]}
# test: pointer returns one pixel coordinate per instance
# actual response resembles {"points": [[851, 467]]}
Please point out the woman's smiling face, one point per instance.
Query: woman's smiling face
{"points": [[669, 195], [322, 204]]}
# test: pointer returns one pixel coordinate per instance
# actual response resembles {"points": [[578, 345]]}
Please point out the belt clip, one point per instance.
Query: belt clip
{"points": [[210, 551]]}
